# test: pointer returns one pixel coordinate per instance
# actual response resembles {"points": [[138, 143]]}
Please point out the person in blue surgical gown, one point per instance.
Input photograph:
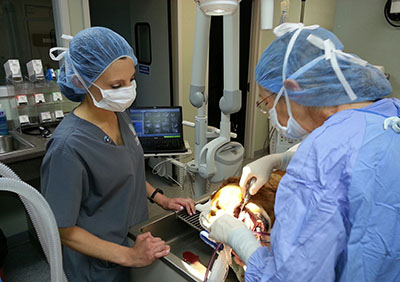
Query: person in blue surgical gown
{"points": [[337, 208], [93, 173]]}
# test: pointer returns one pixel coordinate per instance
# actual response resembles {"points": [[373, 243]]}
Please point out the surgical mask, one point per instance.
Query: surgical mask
{"points": [[116, 100], [293, 129]]}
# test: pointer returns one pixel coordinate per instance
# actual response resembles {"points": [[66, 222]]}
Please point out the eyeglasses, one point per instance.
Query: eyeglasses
{"points": [[262, 105]]}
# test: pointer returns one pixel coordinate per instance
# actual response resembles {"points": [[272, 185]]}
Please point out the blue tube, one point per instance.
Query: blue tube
{"points": [[208, 241]]}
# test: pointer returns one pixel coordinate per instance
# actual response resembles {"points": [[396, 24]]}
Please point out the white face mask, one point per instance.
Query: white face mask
{"points": [[293, 129], [116, 100]]}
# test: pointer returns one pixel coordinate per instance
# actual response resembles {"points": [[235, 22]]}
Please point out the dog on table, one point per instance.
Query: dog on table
{"points": [[257, 214]]}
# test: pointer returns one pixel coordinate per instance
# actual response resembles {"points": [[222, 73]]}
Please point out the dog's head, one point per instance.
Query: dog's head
{"points": [[257, 214]]}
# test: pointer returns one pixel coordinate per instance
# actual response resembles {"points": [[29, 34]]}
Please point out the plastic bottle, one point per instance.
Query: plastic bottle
{"points": [[3, 122]]}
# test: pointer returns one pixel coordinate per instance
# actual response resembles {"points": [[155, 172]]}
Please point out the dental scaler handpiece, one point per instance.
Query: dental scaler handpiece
{"points": [[248, 195], [246, 198]]}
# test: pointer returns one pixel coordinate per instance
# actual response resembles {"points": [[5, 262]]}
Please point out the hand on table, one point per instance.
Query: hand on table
{"points": [[177, 204], [146, 250]]}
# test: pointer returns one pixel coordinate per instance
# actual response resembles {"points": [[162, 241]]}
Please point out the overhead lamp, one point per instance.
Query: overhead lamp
{"points": [[218, 7]]}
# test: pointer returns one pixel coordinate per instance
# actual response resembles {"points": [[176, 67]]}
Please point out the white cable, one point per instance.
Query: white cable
{"points": [[177, 163], [157, 170], [160, 169]]}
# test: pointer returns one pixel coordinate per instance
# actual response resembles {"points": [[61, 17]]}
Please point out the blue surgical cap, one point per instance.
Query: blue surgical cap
{"points": [[319, 84], [90, 52]]}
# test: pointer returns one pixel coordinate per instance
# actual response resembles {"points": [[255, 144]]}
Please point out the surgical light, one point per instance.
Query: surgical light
{"points": [[218, 7]]}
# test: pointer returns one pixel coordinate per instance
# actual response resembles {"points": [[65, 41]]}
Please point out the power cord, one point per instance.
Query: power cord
{"points": [[161, 170], [267, 141]]}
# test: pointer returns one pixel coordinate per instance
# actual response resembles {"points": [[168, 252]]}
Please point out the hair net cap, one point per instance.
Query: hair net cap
{"points": [[318, 81], [91, 51]]}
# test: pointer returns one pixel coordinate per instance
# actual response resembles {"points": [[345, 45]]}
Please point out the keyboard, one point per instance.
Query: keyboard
{"points": [[160, 145]]}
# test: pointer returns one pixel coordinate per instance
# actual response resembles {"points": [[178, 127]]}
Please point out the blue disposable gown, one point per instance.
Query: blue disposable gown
{"points": [[338, 206]]}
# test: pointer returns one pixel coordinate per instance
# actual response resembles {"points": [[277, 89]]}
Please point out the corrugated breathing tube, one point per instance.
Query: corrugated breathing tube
{"points": [[42, 218]]}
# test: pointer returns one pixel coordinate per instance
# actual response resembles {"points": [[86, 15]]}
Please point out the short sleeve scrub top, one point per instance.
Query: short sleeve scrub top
{"points": [[92, 183]]}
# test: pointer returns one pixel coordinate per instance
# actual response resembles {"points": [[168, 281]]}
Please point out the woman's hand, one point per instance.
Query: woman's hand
{"points": [[146, 250], [176, 204]]}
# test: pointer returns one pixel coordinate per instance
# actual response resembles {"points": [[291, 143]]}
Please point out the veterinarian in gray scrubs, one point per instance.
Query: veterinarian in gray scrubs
{"points": [[93, 173]]}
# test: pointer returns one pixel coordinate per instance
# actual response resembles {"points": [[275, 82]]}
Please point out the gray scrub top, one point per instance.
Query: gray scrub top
{"points": [[92, 183]]}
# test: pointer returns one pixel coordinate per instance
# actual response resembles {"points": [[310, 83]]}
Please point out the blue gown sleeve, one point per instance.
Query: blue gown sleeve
{"points": [[310, 230], [305, 243]]}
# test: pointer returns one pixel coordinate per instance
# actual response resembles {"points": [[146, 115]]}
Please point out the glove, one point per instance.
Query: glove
{"points": [[204, 210], [204, 207], [231, 231], [205, 219], [261, 170]]}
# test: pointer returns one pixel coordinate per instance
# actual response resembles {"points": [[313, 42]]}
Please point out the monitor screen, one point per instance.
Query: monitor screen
{"points": [[157, 122]]}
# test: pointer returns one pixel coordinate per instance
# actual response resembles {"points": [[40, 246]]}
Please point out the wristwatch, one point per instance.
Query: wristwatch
{"points": [[154, 194]]}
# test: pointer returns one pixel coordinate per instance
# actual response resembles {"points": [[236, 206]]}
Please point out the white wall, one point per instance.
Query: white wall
{"points": [[361, 26], [186, 21], [76, 16]]}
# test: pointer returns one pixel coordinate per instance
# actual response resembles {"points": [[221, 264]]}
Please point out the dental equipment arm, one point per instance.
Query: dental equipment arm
{"points": [[212, 131], [197, 96], [261, 169], [205, 166]]}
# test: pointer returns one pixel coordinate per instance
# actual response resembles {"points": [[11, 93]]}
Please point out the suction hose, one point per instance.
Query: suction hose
{"points": [[42, 218]]}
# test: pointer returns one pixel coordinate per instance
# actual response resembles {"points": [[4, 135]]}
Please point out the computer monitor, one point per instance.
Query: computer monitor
{"points": [[159, 128]]}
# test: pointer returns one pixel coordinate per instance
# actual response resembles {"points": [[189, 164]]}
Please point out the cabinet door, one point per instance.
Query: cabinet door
{"points": [[145, 25]]}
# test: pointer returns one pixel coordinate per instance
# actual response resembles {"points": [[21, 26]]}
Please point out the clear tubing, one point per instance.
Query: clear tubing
{"points": [[42, 219], [211, 261], [220, 268]]}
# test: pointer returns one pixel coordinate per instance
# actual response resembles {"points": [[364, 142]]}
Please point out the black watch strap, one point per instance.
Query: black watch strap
{"points": [[154, 194]]}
